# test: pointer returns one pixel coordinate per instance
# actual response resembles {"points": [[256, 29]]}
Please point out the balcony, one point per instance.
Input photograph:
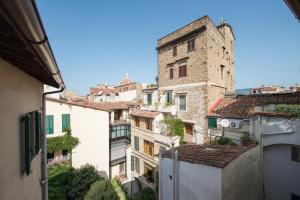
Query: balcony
{"points": [[165, 139], [165, 108]]}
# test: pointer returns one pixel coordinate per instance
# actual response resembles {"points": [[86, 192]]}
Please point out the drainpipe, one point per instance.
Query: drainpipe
{"points": [[160, 185], [261, 138], [44, 180], [173, 172], [176, 178]]}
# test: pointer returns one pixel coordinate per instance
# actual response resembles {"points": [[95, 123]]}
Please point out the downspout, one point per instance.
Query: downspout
{"points": [[44, 180], [261, 135], [173, 172]]}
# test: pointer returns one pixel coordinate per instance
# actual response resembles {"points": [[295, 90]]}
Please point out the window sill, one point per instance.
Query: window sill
{"points": [[188, 51]]}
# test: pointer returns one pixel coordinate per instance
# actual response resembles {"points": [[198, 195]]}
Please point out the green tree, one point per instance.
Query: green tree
{"points": [[176, 127], [224, 141], [83, 179], [59, 181], [102, 190], [147, 194]]}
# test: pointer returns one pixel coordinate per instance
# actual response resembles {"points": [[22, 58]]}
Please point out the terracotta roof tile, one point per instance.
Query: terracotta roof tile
{"points": [[143, 113], [85, 105], [242, 107], [113, 105], [213, 155]]}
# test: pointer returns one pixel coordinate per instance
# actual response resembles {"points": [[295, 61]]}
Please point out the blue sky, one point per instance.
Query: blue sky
{"points": [[99, 41]]}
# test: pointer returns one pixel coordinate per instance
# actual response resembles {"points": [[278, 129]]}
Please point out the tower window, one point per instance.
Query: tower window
{"points": [[191, 45], [175, 51]]}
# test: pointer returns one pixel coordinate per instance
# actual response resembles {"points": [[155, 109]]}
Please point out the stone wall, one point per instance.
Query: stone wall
{"points": [[204, 83]]}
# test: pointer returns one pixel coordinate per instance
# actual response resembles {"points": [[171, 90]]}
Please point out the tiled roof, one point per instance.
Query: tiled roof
{"points": [[102, 90], [242, 107], [212, 155], [143, 113], [85, 105], [112, 105]]}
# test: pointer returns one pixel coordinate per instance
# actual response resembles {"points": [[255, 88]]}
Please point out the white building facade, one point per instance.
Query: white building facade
{"points": [[202, 172], [90, 125], [280, 138]]}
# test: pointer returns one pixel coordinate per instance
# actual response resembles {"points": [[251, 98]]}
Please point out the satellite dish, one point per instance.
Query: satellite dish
{"points": [[225, 123]]}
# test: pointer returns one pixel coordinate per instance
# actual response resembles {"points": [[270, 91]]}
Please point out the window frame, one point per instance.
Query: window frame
{"points": [[149, 95], [174, 51], [132, 163], [49, 124], [148, 148], [67, 120], [171, 73], [189, 127], [191, 45], [169, 98], [136, 141], [148, 123], [185, 102], [137, 122], [137, 165], [182, 71]]}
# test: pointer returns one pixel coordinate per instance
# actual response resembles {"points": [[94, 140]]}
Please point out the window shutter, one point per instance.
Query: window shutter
{"points": [[49, 124], [51, 119], [27, 146], [132, 163], [38, 131], [184, 70], [212, 122], [65, 122], [171, 73]]}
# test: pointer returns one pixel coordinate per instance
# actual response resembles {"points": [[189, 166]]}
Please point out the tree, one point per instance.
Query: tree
{"points": [[59, 180], [102, 190], [224, 141], [83, 179], [176, 127], [147, 194]]}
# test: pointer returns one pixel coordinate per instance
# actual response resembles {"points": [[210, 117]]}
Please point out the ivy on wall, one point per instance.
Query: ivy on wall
{"points": [[59, 143], [291, 109]]}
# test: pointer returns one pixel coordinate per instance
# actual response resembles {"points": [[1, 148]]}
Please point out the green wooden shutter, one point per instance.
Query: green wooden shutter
{"points": [[27, 149], [212, 122], [65, 122], [38, 131], [49, 124]]}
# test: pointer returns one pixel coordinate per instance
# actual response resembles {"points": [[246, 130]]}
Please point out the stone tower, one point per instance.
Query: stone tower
{"points": [[195, 69]]}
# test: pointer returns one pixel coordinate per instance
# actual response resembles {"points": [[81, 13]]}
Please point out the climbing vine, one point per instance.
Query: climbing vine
{"points": [[59, 143], [291, 109]]}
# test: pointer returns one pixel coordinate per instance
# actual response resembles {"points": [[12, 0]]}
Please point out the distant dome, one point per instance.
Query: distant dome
{"points": [[126, 80]]}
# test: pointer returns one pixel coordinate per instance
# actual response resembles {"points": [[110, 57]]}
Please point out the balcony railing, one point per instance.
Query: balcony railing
{"points": [[161, 108]]}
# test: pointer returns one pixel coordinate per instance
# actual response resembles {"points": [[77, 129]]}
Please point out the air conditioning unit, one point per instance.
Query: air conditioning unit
{"points": [[230, 123], [234, 123]]}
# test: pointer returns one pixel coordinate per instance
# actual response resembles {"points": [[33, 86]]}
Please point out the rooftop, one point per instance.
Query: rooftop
{"points": [[242, 107], [24, 42], [84, 105], [143, 113], [212, 155]]}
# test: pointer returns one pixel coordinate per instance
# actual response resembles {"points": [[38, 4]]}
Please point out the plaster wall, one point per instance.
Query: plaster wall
{"points": [[20, 93]]}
